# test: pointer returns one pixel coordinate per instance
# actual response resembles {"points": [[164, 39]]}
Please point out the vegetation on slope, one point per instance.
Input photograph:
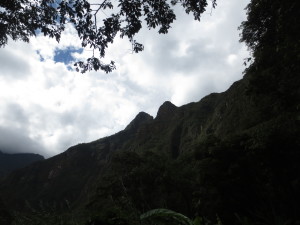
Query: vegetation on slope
{"points": [[232, 157]]}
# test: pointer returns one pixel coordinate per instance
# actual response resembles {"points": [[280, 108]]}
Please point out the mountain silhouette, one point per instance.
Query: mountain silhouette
{"points": [[10, 162]]}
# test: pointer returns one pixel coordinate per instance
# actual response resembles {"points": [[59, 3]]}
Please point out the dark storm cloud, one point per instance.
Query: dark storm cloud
{"points": [[16, 141], [14, 135]]}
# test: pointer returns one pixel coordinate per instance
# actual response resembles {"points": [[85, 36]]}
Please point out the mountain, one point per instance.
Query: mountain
{"points": [[10, 162], [222, 128], [231, 158]]}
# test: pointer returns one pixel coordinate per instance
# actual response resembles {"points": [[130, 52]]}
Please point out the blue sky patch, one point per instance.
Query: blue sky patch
{"points": [[65, 55]]}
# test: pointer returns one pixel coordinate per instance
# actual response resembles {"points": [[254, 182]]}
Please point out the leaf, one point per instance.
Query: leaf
{"points": [[166, 213]]}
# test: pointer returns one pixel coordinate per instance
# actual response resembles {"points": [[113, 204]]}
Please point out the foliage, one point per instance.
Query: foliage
{"points": [[22, 19], [113, 216], [253, 175], [45, 214], [271, 32], [5, 216], [164, 214], [245, 177]]}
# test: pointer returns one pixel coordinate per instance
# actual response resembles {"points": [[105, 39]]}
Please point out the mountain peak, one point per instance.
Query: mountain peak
{"points": [[166, 110], [140, 118]]}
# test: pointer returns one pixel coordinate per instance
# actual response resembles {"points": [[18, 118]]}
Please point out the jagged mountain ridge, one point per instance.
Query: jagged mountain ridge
{"points": [[231, 158], [74, 175], [71, 175]]}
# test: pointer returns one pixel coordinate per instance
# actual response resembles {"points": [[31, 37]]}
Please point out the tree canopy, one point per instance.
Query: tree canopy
{"points": [[271, 32], [21, 19]]}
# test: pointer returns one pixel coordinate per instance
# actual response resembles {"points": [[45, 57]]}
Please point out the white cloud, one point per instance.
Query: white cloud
{"points": [[47, 108]]}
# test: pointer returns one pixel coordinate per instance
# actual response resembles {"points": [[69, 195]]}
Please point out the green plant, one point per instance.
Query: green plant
{"points": [[165, 214]]}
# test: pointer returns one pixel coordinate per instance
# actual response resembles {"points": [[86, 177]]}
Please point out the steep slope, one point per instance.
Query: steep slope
{"points": [[63, 177], [232, 156], [175, 130], [234, 121]]}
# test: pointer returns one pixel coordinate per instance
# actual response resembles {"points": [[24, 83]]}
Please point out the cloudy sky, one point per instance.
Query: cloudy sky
{"points": [[45, 107]]}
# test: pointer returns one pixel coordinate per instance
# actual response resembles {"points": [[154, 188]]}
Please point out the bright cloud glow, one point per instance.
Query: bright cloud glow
{"points": [[45, 107]]}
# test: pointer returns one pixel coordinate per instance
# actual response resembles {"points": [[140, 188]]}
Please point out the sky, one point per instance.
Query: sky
{"points": [[47, 107]]}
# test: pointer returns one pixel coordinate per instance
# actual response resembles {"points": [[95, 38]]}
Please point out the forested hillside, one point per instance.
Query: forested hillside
{"points": [[231, 158]]}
